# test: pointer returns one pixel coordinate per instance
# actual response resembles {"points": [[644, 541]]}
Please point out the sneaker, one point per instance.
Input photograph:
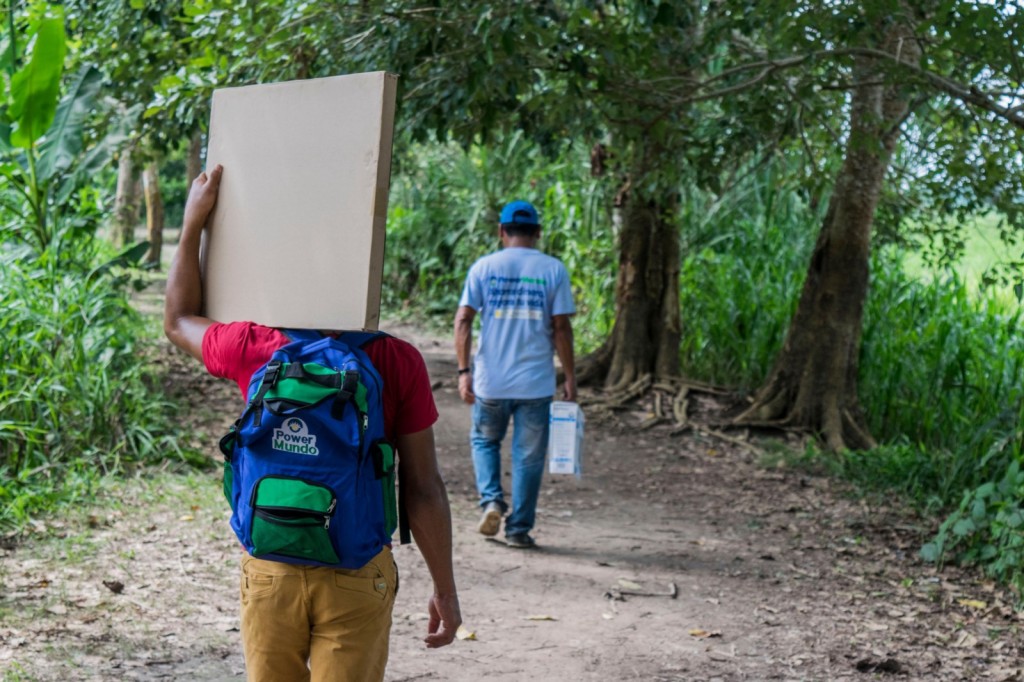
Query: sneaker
{"points": [[520, 541], [491, 520]]}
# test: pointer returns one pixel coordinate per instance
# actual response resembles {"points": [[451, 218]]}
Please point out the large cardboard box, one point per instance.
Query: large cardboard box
{"points": [[297, 236], [565, 439]]}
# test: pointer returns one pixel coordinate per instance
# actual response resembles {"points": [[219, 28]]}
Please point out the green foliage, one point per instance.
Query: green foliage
{"points": [[948, 378], [987, 530], [47, 201], [743, 264], [76, 391], [136, 45], [35, 87], [173, 188]]}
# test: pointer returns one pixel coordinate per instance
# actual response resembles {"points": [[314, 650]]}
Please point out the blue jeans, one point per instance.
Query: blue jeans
{"points": [[529, 446]]}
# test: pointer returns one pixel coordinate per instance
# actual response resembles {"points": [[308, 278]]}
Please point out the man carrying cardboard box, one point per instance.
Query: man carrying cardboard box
{"points": [[525, 303], [315, 622]]}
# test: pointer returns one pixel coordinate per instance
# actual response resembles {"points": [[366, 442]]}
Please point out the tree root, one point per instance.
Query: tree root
{"points": [[680, 405], [771, 405], [730, 439], [778, 407], [622, 396], [856, 437]]}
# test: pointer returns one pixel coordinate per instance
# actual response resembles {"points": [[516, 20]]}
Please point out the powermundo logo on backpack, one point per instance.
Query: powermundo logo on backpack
{"points": [[295, 437], [308, 472]]}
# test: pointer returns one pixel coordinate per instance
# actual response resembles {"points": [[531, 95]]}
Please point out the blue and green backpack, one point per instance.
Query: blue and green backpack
{"points": [[308, 471]]}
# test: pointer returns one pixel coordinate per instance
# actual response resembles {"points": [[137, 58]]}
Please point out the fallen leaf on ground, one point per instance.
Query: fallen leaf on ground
{"points": [[704, 634], [541, 617], [888, 665], [966, 641], [972, 603], [186, 517], [115, 586], [463, 633]]}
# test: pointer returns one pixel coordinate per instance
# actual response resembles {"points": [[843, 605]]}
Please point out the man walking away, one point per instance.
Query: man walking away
{"points": [[525, 304], [318, 623]]}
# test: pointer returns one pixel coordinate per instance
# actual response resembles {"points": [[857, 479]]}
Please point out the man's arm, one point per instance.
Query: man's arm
{"points": [[183, 324], [463, 345], [430, 519], [561, 326]]}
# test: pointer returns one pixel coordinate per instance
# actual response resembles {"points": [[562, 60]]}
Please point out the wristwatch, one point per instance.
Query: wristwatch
{"points": [[465, 370]]}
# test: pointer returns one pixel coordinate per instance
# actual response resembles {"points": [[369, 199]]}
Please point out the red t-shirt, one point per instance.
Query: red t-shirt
{"points": [[236, 350]]}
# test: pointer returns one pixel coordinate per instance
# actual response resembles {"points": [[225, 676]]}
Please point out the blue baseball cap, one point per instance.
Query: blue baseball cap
{"points": [[519, 213]]}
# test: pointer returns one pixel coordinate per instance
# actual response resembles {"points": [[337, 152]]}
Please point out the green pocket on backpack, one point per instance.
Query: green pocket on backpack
{"points": [[384, 469], [229, 480], [291, 517]]}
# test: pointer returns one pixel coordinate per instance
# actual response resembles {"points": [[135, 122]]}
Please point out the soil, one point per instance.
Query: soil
{"points": [[749, 571]]}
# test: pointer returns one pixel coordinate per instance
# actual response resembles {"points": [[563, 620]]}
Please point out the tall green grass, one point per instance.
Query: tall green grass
{"points": [[744, 260], [78, 398]]}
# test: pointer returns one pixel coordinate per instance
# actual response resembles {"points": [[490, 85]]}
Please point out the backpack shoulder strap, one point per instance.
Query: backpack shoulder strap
{"points": [[361, 340]]}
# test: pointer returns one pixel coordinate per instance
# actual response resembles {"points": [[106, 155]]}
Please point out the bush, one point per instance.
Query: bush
{"points": [[77, 391], [987, 530]]}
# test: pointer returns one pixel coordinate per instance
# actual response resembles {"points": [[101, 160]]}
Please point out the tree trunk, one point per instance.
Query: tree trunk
{"points": [[126, 201], [813, 384], [154, 213], [194, 159], [645, 338]]}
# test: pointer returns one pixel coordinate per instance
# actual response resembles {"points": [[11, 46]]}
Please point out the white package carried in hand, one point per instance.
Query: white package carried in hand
{"points": [[565, 439]]}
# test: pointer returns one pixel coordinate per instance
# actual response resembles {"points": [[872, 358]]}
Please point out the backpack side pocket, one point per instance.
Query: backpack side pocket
{"points": [[384, 470]]}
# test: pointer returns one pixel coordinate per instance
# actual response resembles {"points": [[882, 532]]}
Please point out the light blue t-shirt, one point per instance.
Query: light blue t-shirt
{"points": [[516, 291]]}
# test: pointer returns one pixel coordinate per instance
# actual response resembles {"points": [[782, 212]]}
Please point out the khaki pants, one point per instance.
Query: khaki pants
{"points": [[311, 623]]}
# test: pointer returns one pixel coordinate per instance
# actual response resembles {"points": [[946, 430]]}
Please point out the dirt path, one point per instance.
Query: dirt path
{"points": [[778, 576]]}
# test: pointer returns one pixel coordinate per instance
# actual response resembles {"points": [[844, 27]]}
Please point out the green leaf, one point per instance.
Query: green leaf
{"points": [[98, 156], [931, 552], [979, 511], [194, 8], [93, 162], [964, 527], [36, 87], [170, 81], [130, 257], [138, 4], [985, 490], [64, 138], [5, 138]]}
